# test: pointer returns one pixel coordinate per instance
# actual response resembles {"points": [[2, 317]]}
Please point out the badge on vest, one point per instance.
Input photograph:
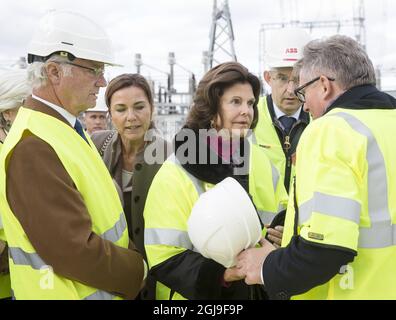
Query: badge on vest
{"points": [[315, 236]]}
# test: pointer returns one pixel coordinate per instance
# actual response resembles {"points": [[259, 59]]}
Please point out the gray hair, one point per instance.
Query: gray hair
{"points": [[14, 89], [339, 57], [37, 74]]}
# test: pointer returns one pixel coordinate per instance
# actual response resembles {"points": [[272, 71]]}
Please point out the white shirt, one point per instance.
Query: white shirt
{"points": [[279, 113], [64, 113]]}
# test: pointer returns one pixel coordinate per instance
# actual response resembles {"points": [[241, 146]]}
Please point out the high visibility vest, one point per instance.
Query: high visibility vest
{"points": [[31, 278], [348, 200], [173, 194], [266, 136], [5, 284]]}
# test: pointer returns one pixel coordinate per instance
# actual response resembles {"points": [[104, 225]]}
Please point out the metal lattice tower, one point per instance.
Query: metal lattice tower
{"points": [[221, 46], [357, 22]]}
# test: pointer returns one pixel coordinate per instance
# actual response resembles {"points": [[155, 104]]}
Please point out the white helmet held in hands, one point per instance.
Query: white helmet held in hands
{"points": [[223, 222], [71, 33]]}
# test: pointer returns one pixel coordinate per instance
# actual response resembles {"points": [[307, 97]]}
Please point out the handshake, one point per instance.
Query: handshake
{"points": [[250, 261]]}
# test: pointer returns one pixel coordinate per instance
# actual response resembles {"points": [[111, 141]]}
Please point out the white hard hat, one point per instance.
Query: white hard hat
{"points": [[72, 33], [284, 47], [223, 222], [100, 103]]}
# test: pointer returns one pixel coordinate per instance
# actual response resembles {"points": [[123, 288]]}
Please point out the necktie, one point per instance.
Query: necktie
{"points": [[287, 123], [78, 127]]}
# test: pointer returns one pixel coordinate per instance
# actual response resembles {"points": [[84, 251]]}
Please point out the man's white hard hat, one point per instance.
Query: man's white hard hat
{"points": [[284, 47], [223, 222], [72, 33]]}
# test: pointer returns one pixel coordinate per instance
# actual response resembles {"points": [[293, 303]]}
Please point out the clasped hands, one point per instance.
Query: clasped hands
{"points": [[250, 261]]}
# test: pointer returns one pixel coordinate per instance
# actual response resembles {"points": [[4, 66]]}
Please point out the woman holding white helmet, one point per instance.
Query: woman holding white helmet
{"points": [[211, 147], [14, 89]]}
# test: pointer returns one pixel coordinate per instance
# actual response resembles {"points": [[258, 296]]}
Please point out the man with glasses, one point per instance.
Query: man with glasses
{"points": [[281, 119], [62, 216], [339, 240]]}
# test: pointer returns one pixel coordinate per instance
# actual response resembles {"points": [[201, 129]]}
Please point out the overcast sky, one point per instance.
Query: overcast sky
{"points": [[156, 27]]}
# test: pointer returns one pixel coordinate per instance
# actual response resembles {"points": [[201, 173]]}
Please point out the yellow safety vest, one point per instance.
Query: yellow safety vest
{"points": [[173, 194], [348, 199], [5, 286], [31, 278], [5, 283], [266, 136]]}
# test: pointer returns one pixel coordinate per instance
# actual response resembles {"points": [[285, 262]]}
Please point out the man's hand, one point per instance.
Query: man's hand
{"points": [[250, 262], [275, 235]]}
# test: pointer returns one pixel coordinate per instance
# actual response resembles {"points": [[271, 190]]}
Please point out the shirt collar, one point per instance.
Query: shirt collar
{"points": [[64, 113], [279, 113]]}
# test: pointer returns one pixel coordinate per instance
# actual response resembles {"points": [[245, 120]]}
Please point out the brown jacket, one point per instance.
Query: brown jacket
{"points": [[108, 144], [53, 215]]}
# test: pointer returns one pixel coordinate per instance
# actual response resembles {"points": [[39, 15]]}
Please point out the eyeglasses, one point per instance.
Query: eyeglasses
{"points": [[284, 80], [300, 93], [97, 72]]}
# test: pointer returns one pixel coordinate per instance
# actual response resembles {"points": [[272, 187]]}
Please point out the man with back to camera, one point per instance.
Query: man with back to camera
{"points": [[339, 238]]}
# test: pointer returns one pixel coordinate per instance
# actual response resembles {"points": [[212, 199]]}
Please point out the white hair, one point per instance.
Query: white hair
{"points": [[14, 89], [37, 73]]}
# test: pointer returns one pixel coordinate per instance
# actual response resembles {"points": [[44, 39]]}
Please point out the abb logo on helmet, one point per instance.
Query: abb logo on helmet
{"points": [[291, 50]]}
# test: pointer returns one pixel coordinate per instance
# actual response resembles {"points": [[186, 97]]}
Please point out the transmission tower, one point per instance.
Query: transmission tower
{"points": [[221, 46]]}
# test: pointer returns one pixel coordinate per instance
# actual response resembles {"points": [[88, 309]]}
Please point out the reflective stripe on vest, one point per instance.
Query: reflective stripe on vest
{"points": [[382, 232], [275, 177], [168, 237], [20, 257], [265, 216], [330, 205], [114, 234]]}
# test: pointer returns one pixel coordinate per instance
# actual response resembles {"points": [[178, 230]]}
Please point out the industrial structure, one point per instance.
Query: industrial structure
{"points": [[173, 103], [221, 43], [357, 23]]}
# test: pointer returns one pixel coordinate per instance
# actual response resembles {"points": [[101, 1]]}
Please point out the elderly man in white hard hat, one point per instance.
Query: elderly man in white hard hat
{"points": [[62, 217], [281, 118], [95, 119]]}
